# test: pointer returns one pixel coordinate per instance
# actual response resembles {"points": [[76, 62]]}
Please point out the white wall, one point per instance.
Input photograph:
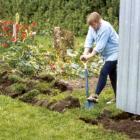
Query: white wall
{"points": [[128, 91]]}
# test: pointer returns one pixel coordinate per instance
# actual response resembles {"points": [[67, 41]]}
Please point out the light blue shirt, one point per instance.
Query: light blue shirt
{"points": [[106, 40]]}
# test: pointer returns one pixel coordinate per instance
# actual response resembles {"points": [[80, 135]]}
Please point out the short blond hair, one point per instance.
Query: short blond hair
{"points": [[93, 17]]}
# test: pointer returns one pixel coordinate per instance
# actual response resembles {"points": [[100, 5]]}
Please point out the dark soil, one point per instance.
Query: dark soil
{"points": [[4, 82], [13, 95], [124, 123], [44, 77], [47, 91], [48, 78], [62, 85]]}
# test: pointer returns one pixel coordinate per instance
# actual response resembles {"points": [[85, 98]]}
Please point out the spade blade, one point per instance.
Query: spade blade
{"points": [[89, 104]]}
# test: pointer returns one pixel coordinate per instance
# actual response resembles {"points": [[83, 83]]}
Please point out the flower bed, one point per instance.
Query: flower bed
{"points": [[11, 32]]}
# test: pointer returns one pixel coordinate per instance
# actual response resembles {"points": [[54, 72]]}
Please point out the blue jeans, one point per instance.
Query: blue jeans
{"points": [[109, 68]]}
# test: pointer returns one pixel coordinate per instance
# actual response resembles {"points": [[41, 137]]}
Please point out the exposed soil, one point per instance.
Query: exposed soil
{"points": [[63, 85], [80, 83], [124, 123], [46, 77], [15, 95], [4, 82]]}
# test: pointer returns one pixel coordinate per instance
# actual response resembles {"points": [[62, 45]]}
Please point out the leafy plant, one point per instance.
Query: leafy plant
{"points": [[67, 14]]}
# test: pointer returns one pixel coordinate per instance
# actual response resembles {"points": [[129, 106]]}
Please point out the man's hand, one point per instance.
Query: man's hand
{"points": [[85, 57]]}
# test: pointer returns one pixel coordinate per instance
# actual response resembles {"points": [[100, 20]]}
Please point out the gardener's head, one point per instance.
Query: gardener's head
{"points": [[94, 20]]}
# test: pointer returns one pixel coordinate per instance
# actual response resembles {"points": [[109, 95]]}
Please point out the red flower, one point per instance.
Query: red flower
{"points": [[5, 28], [7, 22], [24, 35], [20, 32]]}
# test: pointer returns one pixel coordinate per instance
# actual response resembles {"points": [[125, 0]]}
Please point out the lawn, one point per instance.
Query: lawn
{"points": [[21, 121]]}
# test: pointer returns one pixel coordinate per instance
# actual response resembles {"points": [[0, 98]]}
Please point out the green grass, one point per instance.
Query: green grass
{"points": [[20, 121]]}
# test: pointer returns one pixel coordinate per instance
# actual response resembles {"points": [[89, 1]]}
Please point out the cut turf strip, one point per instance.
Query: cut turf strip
{"points": [[27, 90], [59, 106]]}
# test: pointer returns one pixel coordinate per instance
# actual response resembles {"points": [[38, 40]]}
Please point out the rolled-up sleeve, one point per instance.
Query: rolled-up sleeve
{"points": [[89, 39], [102, 40]]}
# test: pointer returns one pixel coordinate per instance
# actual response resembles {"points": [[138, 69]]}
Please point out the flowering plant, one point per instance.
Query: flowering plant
{"points": [[13, 32]]}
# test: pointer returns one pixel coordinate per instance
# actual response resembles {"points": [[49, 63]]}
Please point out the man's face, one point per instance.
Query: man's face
{"points": [[95, 25]]}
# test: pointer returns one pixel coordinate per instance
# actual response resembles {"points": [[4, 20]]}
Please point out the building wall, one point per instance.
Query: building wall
{"points": [[128, 91]]}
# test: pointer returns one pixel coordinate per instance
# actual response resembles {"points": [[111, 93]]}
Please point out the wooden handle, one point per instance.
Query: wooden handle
{"points": [[85, 64]]}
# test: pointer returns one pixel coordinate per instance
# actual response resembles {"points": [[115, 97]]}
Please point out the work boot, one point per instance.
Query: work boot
{"points": [[93, 98]]}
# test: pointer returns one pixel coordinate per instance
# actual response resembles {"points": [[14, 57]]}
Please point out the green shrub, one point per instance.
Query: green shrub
{"points": [[70, 14]]}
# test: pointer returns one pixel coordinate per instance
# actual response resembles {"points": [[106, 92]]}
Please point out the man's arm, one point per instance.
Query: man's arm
{"points": [[93, 53], [100, 44], [88, 42], [86, 51]]}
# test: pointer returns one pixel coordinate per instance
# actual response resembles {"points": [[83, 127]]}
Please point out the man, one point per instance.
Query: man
{"points": [[107, 41]]}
